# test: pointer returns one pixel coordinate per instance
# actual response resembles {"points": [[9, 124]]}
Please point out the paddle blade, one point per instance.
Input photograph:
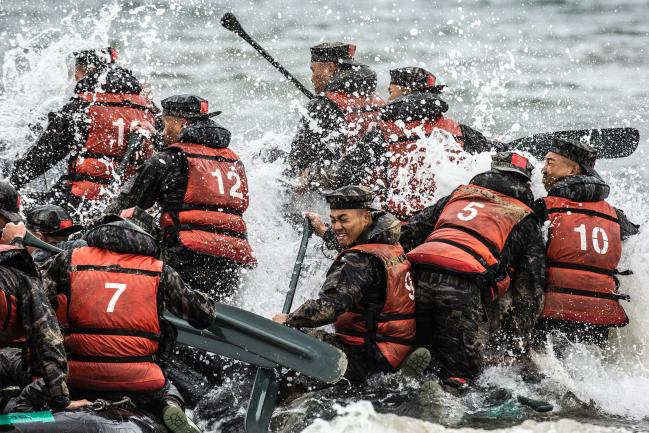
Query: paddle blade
{"points": [[230, 22], [278, 343], [32, 241], [205, 340], [609, 142], [262, 401]]}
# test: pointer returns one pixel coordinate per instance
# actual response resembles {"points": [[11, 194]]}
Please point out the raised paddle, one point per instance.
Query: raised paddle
{"points": [[230, 22], [264, 390], [609, 142]]}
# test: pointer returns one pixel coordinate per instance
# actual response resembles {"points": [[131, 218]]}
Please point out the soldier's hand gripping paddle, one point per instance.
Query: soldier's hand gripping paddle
{"points": [[230, 22], [609, 142], [264, 390]]}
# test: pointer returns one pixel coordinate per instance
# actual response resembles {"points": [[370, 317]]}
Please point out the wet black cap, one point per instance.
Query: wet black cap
{"points": [[415, 78], [9, 202], [512, 162], [351, 197], [187, 106], [51, 220], [338, 52], [576, 151], [96, 58]]}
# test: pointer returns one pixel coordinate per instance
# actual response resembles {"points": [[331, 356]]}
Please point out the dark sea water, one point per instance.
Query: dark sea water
{"points": [[512, 68]]}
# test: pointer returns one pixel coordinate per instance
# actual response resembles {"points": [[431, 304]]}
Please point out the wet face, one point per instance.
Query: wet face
{"points": [[557, 166], [396, 91], [173, 127], [349, 224], [81, 71], [322, 73]]}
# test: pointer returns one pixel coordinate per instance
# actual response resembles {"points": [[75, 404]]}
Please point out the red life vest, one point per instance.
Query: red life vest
{"points": [[393, 329], [209, 219], [470, 235], [11, 326], [113, 324], [402, 144], [110, 116], [584, 248], [361, 112]]}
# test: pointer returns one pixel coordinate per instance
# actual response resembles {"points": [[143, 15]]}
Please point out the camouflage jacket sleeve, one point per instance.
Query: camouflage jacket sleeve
{"points": [[474, 141], [55, 272], [65, 130], [347, 283], [525, 251], [183, 301], [422, 224], [47, 353], [320, 126], [627, 228], [145, 188]]}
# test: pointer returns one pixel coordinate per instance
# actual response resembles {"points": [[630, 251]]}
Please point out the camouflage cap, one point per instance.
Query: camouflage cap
{"points": [[512, 162], [576, 151], [415, 78], [51, 220], [187, 107], [337, 52], [351, 197]]}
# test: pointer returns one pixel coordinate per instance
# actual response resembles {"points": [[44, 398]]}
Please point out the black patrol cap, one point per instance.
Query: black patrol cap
{"points": [[576, 151], [96, 58], [187, 106], [51, 220], [9, 202], [415, 78], [337, 52], [351, 197], [512, 162]]}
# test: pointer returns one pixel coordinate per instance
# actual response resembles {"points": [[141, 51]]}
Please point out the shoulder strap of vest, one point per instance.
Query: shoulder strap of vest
{"points": [[115, 268], [117, 100], [589, 212], [192, 150]]}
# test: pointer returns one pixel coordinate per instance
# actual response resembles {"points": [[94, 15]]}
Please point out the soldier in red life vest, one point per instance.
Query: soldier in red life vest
{"points": [[479, 264], [368, 295], [93, 129], [27, 319], [115, 290], [584, 246], [415, 107], [201, 186], [345, 108]]}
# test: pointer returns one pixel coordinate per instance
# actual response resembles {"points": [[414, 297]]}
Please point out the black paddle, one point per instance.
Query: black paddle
{"points": [[264, 390], [609, 142], [230, 22]]}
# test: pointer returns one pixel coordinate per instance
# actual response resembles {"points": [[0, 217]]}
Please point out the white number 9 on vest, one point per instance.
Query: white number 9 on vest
{"points": [[120, 289], [472, 211]]}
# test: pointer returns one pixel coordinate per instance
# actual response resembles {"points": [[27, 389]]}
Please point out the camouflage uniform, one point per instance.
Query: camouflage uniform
{"points": [[452, 320], [357, 278], [67, 131], [45, 343], [163, 180]]}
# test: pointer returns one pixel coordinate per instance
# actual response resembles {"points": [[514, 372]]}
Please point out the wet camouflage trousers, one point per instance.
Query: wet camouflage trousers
{"points": [[452, 323]]}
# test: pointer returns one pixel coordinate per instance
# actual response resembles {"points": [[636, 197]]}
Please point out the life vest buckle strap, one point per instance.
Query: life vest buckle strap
{"points": [[589, 293], [112, 331], [115, 268], [211, 229], [588, 212], [464, 248], [112, 359]]}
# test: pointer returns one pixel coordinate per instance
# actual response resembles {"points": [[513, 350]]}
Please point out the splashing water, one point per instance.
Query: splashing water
{"points": [[501, 85]]}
